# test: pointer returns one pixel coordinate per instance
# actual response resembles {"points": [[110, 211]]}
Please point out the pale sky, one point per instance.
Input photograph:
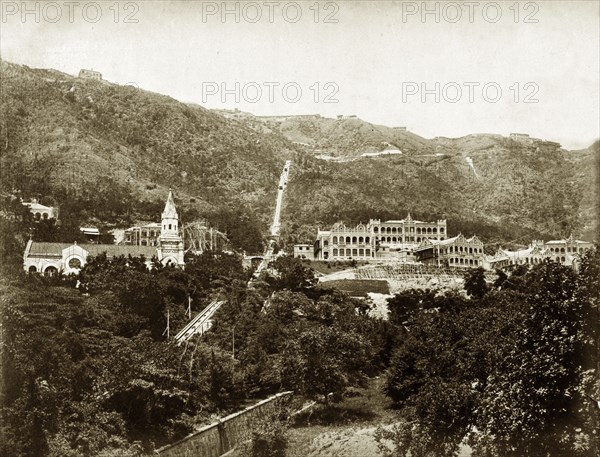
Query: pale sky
{"points": [[372, 59]]}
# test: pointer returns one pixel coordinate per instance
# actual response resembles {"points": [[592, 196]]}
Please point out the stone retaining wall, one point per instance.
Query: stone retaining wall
{"points": [[220, 437]]}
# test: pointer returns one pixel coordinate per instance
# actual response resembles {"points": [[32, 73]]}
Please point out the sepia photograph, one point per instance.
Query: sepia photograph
{"points": [[352, 228]]}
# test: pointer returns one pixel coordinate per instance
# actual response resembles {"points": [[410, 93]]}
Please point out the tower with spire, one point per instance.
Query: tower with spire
{"points": [[170, 244]]}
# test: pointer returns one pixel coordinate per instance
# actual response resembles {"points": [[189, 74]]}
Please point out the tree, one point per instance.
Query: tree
{"points": [[475, 284], [292, 274], [506, 373], [407, 304], [322, 360]]}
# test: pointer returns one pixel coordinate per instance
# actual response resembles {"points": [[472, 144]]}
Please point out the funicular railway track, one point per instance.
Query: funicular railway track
{"points": [[203, 321]]}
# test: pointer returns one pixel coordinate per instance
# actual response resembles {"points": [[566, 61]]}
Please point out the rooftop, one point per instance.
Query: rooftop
{"points": [[44, 249]]}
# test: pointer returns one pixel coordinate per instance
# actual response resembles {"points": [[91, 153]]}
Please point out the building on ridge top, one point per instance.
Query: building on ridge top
{"points": [[69, 258], [90, 74]]}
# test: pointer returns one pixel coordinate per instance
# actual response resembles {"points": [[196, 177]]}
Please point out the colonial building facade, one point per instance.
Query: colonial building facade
{"points": [[457, 252], [411, 241], [387, 240], [55, 258], [143, 235]]}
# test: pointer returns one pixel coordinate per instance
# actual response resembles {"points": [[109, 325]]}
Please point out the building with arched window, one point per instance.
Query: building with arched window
{"points": [[67, 258], [40, 211], [143, 235], [387, 240], [408, 240]]}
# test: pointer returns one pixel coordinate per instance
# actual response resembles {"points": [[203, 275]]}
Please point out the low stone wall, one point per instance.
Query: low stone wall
{"points": [[220, 437]]}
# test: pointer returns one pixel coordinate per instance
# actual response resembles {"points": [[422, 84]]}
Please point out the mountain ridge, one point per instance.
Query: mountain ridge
{"points": [[115, 150]]}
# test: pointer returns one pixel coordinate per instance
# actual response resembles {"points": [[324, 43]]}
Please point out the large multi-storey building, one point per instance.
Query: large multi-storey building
{"points": [[391, 240], [411, 241], [343, 243]]}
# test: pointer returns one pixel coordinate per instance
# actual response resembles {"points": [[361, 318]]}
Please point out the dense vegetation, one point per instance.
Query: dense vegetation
{"points": [[512, 371], [88, 370]]}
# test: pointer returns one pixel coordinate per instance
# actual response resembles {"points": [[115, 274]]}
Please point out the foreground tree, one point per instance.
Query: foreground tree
{"points": [[509, 373], [475, 284], [322, 361]]}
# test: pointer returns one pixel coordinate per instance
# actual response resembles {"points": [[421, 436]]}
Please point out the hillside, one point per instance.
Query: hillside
{"points": [[584, 169], [67, 139], [504, 190], [106, 155]]}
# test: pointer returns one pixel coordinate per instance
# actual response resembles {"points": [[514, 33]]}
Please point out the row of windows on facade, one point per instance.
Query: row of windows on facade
{"points": [[461, 249], [351, 252], [407, 239], [419, 230], [153, 234], [361, 240], [536, 260], [48, 271], [144, 234], [348, 240], [569, 249], [461, 261]]}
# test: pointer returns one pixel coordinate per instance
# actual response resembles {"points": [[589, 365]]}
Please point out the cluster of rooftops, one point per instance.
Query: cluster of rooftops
{"points": [[413, 241]]}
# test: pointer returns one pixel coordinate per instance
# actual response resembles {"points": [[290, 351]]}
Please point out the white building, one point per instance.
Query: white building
{"points": [[40, 211], [304, 251], [458, 251], [90, 74]]}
